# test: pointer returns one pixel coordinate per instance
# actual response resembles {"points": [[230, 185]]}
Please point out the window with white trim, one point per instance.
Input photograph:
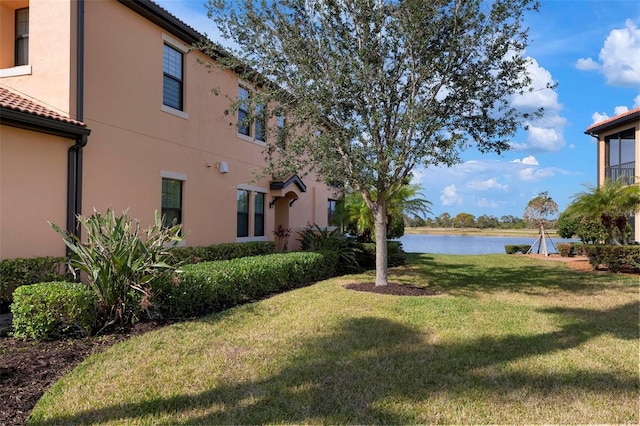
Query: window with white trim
{"points": [[243, 213], [258, 214], [22, 37], [244, 125], [250, 202], [173, 82], [171, 202]]}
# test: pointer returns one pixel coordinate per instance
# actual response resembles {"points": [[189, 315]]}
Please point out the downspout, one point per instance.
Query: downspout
{"points": [[75, 153]]}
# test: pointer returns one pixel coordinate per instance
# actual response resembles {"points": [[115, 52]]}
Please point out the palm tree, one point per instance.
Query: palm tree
{"points": [[611, 203], [359, 219]]}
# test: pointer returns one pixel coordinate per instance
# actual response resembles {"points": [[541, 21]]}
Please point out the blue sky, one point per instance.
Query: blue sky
{"points": [[591, 49]]}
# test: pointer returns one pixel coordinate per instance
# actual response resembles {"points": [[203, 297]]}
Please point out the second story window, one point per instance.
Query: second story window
{"points": [[22, 37], [260, 124], [620, 156], [172, 85], [244, 126]]}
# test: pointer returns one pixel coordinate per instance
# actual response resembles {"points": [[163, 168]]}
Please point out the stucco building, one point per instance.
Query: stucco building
{"points": [[619, 152], [104, 105]]}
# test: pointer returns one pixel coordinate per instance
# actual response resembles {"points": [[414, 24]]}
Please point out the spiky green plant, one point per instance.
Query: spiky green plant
{"points": [[611, 203], [322, 239], [120, 261]]}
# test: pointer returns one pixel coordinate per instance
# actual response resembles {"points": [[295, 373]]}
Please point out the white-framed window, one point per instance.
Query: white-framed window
{"points": [[172, 207], [251, 127], [331, 211], [22, 37], [172, 82], [244, 125], [15, 60], [250, 208]]}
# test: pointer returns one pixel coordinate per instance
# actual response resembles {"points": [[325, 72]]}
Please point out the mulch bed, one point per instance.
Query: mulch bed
{"points": [[392, 289], [28, 368]]}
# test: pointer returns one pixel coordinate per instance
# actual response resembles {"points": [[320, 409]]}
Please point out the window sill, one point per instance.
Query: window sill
{"points": [[15, 71], [250, 139], [250, 239], [175, 112]]}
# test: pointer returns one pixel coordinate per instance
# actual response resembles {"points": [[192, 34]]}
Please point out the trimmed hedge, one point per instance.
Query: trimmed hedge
{"points": [[17, 272], [367, 257], [224, 251], [614, 258], [50, 310], [566, 249], [206, 287], [517, 248]]}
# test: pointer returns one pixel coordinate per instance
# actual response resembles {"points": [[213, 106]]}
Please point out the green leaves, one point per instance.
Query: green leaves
{"points": [[120, 261]]}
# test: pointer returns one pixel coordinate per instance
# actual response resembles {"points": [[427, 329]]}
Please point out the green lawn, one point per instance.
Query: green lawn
{"points": [[507, 339]]}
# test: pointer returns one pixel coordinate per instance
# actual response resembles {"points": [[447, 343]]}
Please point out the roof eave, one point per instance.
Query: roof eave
{"points": [[39, 124], [597, 129]]}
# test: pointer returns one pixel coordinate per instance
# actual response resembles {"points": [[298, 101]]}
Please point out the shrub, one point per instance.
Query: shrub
{"points": [[224, 251], [50, 310], [120, 261], [517, 248], [18, 272], [615, 258], [206, 287], [566, 249], [318, 239], [395, 255]]}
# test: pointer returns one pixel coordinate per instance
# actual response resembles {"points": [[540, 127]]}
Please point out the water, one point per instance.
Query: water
{"points": [[459, 244]]}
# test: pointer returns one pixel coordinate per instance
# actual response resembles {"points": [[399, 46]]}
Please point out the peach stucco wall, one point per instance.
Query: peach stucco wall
{"points": [[52, 53], [134, 141], [33, 183]]}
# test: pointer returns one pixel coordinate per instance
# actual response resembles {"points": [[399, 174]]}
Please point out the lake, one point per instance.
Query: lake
{"points": [[462, 244]]}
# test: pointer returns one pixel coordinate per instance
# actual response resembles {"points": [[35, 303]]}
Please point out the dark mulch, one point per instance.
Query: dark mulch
{"points": [[28, 368], [392, 289]]}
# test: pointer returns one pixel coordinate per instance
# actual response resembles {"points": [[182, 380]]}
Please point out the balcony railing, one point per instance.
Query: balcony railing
{"points": [[624, 171]]}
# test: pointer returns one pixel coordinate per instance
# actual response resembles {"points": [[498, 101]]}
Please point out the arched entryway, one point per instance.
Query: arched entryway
{"points": [[283, 194]]}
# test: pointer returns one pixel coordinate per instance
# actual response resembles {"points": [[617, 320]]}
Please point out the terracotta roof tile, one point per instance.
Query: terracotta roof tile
{"points": [[15, 102], [612, 119]]}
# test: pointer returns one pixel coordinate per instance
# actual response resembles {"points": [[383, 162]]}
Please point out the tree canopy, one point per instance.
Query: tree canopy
{"points": [[541, 210], [370, 89]]}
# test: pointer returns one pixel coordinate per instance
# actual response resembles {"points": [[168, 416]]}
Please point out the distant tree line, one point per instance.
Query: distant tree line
{"points": [[467, 220]]}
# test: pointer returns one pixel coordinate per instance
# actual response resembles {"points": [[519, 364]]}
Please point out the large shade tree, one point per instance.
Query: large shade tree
{"points": [[370, 89]]}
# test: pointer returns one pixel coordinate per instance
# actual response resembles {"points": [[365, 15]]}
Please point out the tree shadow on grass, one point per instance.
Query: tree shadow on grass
{"points": [[531, 277], [351, 375]]}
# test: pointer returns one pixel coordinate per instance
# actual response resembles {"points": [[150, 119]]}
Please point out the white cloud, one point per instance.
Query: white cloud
{"points": [[450, 196], [541, 96], [636, 101], [484, 185], [598, 117], [587, 64], [619, 60], [545, 133], [486, 203], [531, 173], [620, 110], [531, 160]]}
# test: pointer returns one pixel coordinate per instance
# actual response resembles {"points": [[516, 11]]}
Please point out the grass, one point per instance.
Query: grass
{"points": [[508, 339]]}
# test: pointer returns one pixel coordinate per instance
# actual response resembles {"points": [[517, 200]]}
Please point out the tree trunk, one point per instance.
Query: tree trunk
{"points": [[380, 216]]}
